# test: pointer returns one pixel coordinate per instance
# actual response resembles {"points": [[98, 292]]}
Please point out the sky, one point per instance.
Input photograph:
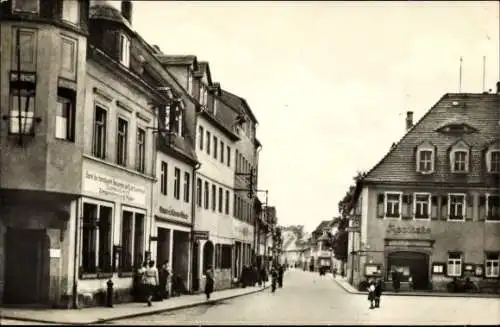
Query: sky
{"points": [[329, 82]]}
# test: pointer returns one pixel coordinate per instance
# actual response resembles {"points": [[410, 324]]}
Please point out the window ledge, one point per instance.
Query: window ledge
{"points": [[114, 165]]}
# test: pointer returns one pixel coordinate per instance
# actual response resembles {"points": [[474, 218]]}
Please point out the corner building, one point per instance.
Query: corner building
{"points": [[430, 208]]}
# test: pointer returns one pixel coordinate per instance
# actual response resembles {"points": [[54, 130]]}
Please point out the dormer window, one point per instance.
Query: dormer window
{"points": [[124, 55], [203, 95], [459, 162], [425, 158], [71, 11], [215, 106], [493, 161], [26, 6], [189, 86]]}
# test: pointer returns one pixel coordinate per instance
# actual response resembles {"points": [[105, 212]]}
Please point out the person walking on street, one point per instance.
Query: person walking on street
{"points": [[371, 293], [209, 285], [281, 271], [274, 277], [164, 274], [151, 280], [263, 274], [395, 280], [378, 292]]}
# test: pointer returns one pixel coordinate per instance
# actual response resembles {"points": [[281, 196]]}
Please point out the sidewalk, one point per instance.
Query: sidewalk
{"points": [[97, 315], [342, 281]]}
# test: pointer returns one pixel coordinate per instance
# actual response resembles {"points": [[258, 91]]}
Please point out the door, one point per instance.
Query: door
{"points": [[26, 266], [196, 271], [412, 264]]}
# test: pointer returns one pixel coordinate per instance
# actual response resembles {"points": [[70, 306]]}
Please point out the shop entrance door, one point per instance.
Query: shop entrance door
{"points": [[413, 264]]}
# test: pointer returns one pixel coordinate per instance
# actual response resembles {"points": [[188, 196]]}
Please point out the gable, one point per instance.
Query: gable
{"points": [[480, 111]]}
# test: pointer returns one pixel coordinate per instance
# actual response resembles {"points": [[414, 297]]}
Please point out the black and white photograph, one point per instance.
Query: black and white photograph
{"points": [[249, 162]]}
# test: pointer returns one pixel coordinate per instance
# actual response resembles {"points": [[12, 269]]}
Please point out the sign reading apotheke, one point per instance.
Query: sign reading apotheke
{"points": [[118, 189]]}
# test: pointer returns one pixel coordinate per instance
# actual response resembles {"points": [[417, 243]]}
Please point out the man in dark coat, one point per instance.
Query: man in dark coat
{"points": [[209, 285], [164, 274], [395, 280], [274, 277], [281, 271], [378, 292]]}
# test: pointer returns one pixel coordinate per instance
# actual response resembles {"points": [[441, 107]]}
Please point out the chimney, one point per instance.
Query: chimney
{"points": [[127, 10], [409, 120], [498, 87]]}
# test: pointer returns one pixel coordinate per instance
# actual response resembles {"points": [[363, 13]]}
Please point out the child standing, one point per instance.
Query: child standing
{"points": [[371, 294]]}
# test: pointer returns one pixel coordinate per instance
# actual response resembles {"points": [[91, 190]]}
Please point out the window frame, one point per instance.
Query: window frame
{"points": [[187, 186], [177, 183], [201, 137], [222, 148], [430, 161], [386, 201], [163, 177], [454, 161], [487, 206], [199, 192], [208, 139], [221, 200], [216, 147], [124, 160], [124, 52], [140, 150], [214, 198], [78, 13], [135, 212], [456, 262], [228, 154], [429, 203], [464, 206], [206, 195], [101, 153], [227, 200], [489, 161], [494, 259], [14, 10]]}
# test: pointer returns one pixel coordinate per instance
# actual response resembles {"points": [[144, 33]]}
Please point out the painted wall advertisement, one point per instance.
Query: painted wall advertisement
{"points": [[120, 190]]}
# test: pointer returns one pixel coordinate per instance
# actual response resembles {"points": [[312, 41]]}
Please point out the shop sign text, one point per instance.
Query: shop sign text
{"points": [[120, 190], [393, 229], [174, 213]]}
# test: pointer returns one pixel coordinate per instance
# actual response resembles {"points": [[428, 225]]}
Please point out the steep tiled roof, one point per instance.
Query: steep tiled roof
{"points": [[107, 12], [238, 103], [479, 111], [323, 225]]}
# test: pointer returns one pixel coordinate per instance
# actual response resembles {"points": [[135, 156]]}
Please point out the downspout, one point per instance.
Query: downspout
{"points": [[194, 199], [74, 293]]}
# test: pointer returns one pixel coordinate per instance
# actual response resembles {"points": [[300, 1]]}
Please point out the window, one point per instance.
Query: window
{"points": [[140, 155], [71, 11], [31, 6], [200, 137], [23, 108], [228, 151], [203, 95], [460, 160], [179, 121], [422, 205], [221, 200], [492, 265], [227, 203], [68, 57], [208, 142], [124, 55], [215, 147], [215, 106], [177, 183], [236, 160], [25, 44], [121, 142], [166, 118], [189, 85], [99, 141], [425, 160], [198, 192], [214, 197], [186, 186], [164, 178], [456, 207], [221, 151], [493, 161], [226, 255], [132, 241], [96, 238], [454, 267], [393, 205], [207, 196], [492, 207]]}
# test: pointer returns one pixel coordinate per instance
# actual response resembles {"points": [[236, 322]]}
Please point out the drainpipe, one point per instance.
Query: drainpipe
{"points": [[74, 293], [196, 167]]}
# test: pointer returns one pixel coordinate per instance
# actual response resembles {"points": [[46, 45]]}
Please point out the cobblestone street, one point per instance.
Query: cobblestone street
{"points": [[308, 298]]}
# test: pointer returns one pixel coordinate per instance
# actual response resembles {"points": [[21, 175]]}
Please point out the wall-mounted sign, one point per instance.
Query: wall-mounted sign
{"points": [[103, 185], [171, 212], [408, 243], [200, 235], [393, 229], [372, 270]]}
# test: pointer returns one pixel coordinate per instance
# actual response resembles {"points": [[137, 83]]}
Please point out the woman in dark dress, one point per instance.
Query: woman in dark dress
{"points": [[378, 292], [209, 285]]}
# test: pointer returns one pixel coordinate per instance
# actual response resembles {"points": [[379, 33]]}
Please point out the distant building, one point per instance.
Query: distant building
{"points": [[430, 208], [321, 252]]}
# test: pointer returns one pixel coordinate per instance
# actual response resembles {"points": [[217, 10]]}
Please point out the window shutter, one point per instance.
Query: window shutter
{"points": [[469, 210], [434, 207], [482, 208], [406, 210], [444, 208], [380, 205]]}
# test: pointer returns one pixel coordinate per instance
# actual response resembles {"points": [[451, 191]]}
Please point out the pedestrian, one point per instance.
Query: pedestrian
{"points": [[274, 277], [334, 272], [151, 281], [209, 284], [281, 271], [164, 275], [263, 273], [378, 292], [395, 280], [410, 282], [371, 293]]}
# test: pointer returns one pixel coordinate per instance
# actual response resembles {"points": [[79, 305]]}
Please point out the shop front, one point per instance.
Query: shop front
{"points": [[113, 231], [243, 239]]}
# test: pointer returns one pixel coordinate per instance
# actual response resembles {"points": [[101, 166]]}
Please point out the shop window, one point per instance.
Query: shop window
{"points": [[492, 265], [198, 192], [71, 11], [454, 266], [201, 135], [456, 207], [228, 152], [227, 203], [28, 6], [206, 196], [215, 147], [99, 136], [222, 151], [177, 183], [493, 161], [214, 197], [124, 54], [22, 104], [226, 252], [121, 142], [140, 151], [393, 205], [187, 186], [164, 178], [492, 207], [208, 142], [422, 205], [132, 243], [96, 238], [221, 200]]}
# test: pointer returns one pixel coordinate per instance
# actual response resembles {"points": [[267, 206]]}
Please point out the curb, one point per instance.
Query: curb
{"points": [[430, 294]]}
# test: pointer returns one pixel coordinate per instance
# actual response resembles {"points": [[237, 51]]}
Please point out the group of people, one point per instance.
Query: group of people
{"points": [[374, 292]]}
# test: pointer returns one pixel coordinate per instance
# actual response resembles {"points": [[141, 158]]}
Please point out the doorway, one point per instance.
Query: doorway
{"points": [[26, 267], [163, 246], [196, 271], [413, 264]]}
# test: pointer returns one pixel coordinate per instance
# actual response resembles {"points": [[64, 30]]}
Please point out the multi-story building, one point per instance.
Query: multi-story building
{"points": [[321, 252], [430, 208]]}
